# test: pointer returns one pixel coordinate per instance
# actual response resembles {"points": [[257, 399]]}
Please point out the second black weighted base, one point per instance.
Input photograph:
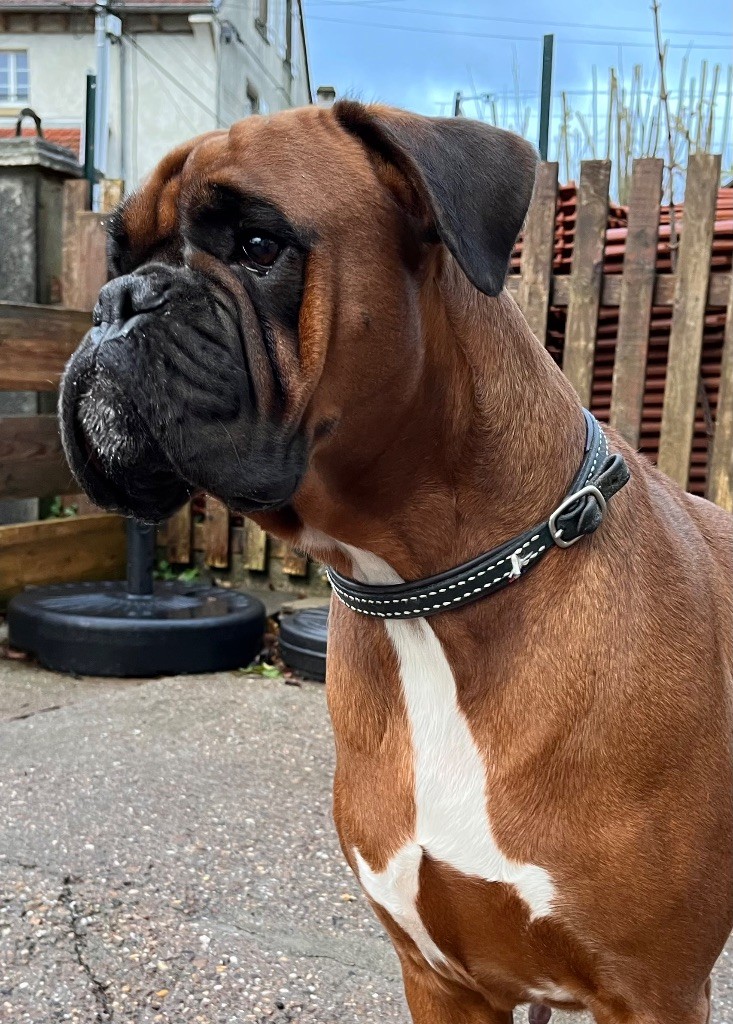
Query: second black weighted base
{"points": [[303, 641]]}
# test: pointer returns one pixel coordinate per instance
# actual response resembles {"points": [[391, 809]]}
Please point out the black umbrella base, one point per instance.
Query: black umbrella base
{"points": [[100, 629]]}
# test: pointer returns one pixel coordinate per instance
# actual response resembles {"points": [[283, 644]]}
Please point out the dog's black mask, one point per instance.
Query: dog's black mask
{"points": [[161, 400]]}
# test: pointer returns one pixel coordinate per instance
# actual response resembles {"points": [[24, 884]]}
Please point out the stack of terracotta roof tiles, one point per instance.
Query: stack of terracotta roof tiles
{"points": [[660, 323]]}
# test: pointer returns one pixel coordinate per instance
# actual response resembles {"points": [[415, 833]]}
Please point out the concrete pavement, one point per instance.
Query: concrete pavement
{"points": [[167, 855]]}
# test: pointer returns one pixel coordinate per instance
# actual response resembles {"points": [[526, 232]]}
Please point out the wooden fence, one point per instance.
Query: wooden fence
{"points": [[35, 343], [688, 293], [686, 284]]}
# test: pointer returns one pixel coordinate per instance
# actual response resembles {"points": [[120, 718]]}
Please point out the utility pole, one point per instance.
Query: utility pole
{"points": [[548, 44], [101, 108], [90, 172], [106, 26]]}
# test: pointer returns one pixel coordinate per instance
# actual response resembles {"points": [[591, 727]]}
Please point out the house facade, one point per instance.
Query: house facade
{"points": [[176, 68]]}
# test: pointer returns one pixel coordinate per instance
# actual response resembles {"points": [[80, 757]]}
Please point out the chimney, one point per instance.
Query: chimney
{"points": [[325, 96]]}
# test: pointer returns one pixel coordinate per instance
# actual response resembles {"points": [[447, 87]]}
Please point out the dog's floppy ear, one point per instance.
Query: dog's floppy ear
{"points": [[474, 180]]}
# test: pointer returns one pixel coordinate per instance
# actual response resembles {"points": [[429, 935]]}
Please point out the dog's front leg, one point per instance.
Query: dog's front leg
{"points": [[432, 1000]]}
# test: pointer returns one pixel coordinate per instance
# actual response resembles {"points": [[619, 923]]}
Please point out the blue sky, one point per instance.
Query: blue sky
{"points": [[417, 53]]}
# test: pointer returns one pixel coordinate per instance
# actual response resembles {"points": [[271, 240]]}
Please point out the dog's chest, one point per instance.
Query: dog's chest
{"points": [[452, 803]]}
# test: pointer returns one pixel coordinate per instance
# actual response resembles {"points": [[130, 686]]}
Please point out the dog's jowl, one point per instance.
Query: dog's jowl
{"points": [[531, 642]]}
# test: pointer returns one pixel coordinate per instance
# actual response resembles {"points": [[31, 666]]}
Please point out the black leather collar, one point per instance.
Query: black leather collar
{"points": [[580, 513]]}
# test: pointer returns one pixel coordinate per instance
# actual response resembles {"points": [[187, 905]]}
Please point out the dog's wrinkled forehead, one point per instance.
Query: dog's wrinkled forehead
{"points": [[300, 162]]}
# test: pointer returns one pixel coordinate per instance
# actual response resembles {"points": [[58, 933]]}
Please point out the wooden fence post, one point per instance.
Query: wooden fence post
{"points": [[75, 201], [720, 476], [85, 242], [216, 533], [538, 250], [637, 292], [586, 276], [255, 547], [111, 191], [295, 564], [688, 316], [178, 536]]}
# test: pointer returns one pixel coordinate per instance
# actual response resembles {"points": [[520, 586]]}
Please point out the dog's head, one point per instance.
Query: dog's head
{"points": [[264, 308]]}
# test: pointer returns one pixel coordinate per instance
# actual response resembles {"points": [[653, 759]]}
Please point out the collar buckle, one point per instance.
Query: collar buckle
{"points": [[556, 532]]}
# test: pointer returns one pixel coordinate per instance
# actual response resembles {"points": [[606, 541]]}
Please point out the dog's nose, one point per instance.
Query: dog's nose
{"points": [[125, 297]]}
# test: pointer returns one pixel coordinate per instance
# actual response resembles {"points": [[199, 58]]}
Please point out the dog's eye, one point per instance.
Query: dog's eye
{"points": [[260, 252]]}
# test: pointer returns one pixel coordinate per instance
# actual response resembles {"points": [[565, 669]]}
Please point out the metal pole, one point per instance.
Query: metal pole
{"points": [[101, 113], [89, 172], [140, 558], [548, 44], [123, 112], [457, 105]]}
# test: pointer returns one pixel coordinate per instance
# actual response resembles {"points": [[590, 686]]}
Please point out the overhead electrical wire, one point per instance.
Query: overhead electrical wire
{"points": [[492, 35], [499, 19]]}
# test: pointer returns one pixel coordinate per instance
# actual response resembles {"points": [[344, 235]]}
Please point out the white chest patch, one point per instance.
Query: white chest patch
{"points": [[452, 821]]}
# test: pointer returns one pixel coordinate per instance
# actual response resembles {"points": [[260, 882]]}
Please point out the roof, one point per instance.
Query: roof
{"points": [[115, 6], [68, 137]]}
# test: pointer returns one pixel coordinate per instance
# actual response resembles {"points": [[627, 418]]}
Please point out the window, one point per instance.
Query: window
{"points": [[253, 100], [261, 18], [14, 84]]}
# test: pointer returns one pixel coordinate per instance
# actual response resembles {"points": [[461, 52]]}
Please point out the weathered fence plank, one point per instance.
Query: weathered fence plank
{"points": [[178, 536], [278, 548], [294, 563], [255, 547], [35, 342], [111, 191], [32, 462], [75, 202], [720, 477], [84, 251], [538, 244], [688, 317], [586, 276], [61, 550], [90, 255], [637, 291], [216, 533]]}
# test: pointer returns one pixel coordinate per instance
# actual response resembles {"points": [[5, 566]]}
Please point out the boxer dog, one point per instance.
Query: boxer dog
{"points": [[534, 781]]}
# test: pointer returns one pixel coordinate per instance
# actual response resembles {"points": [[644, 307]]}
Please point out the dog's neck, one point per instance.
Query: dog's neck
{"points": [[485, 448]]}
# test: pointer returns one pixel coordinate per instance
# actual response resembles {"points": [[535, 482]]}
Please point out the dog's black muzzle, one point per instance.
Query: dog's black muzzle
{"points": [[157, 402]]}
